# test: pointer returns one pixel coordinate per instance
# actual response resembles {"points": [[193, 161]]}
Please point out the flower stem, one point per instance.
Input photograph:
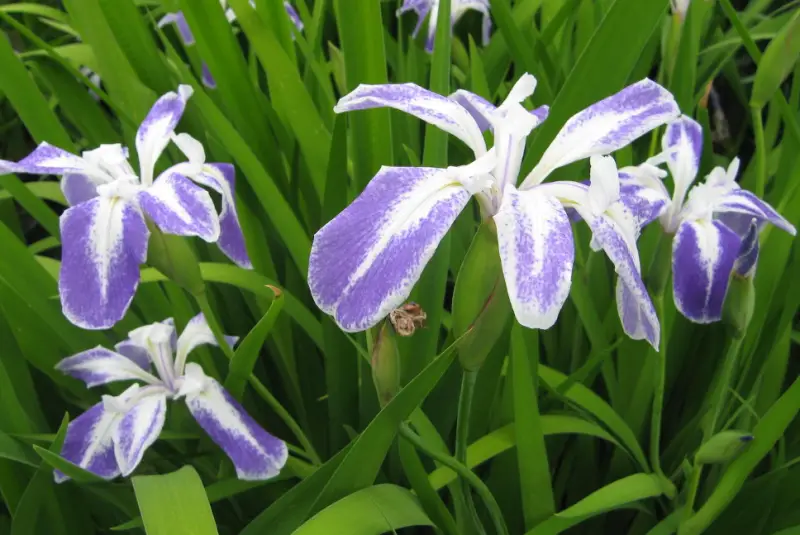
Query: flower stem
{"points": [[464, 472], [258, 386], [463, 502]]}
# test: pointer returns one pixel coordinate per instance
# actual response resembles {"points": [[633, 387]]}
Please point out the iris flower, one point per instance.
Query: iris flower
{"points": [[457, 9], [366, 260], [711, 223], [187, 37], [111, 437], [104, 234]]}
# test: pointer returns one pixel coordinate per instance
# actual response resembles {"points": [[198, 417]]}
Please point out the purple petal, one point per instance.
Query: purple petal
{"points": [[178, 206], [421, 7], [135, 353], [155, 131], [683, 144], [78, 188], [139, 428], [644, 204], [744, 202], [208, 79], [293, 16], [104, 243], [606, 126], [89, 443], [425, 105], [256, 454], [221, 178], [477, 106], [541, 112], [47, 159], [537, 254], [703, 255], [180, 23], [636, 310], [746, 260], [366, 260], [99, 366]]}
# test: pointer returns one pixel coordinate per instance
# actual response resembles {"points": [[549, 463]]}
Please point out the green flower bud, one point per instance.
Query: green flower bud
{"points": [[386, 364], [722, 447], [739, 304]]}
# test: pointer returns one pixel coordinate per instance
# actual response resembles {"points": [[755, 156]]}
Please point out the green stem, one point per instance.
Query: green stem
{"points": [[728, 365], [258, 386], [761, 150], [465, 473], [463, 502]]}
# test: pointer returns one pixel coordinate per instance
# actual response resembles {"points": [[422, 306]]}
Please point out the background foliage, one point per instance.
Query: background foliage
{"points": [[561, 427]]}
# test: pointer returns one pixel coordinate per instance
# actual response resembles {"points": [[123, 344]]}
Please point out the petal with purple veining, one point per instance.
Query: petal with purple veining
{"points": [[89, 443], [178, 206], [155, 131], [426, 105], [537, 253], [606, 126], [256, 454], [366, 260], [104, 243], [139, 427], [703, 255], [99, 366], [48, 159], [745, 202]]}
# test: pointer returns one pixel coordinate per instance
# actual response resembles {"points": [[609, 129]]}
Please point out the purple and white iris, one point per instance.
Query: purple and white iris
{"points": [[457, 9], [187, 37], [111, 437], [104, 234], [715, 225], [366, 260]]}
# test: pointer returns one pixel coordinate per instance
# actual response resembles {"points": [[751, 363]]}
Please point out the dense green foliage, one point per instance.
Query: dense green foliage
{"points": [[576, 429]]}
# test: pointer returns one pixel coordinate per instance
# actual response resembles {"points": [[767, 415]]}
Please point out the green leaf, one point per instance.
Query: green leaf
{"points": [[69, 469], [617, 495], [370, 511], [534, 470], [174, 504], [12, 450], [777, 63], [241, 365]]}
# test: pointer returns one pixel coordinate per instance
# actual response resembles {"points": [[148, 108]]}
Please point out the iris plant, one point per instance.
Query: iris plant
{"points": [[366, 260], [104, 233], [187, 37], [457, 9], [712, 224], [111, 437]]}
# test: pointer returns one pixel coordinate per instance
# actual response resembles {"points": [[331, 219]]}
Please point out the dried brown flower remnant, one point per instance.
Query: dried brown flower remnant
{"points": [[407, 319]]}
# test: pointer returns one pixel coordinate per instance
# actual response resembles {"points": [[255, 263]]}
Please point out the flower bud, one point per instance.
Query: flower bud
{"points": [[722, 447], [480, 302], [386, 364], [739, 305]]}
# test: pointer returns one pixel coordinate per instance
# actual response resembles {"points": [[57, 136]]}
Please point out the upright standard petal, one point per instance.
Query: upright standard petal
{"points": [[256, 454], [48, 159], [606, 126], [139, 427], [635, 308], [366, 260], [537, 254], [703, 255], [683, 147], [104, 243], [196, 333], [180, 23], [425, 105], [155, 131], [180, 207], [512, 124], [99, 366], [221, 178], [78, 188], [89, 442]]}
